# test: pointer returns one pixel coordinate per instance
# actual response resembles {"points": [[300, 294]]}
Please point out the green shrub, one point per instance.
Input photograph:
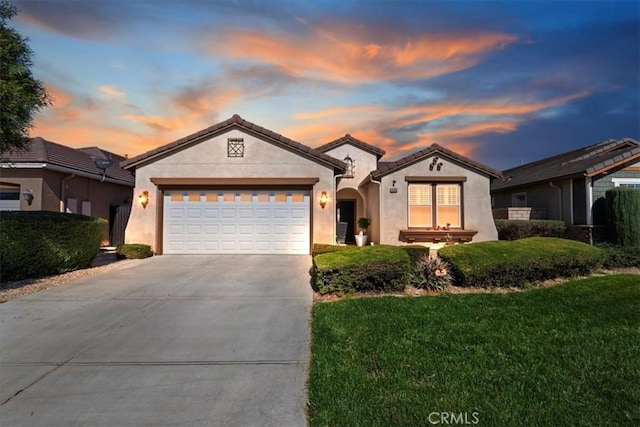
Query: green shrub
{"points": [[620, 256], [516, 263], [514, 229], [369, 268], [415, 252], [134, 251], [323, 249], [38, 244], [432, 274], [623, 216]]}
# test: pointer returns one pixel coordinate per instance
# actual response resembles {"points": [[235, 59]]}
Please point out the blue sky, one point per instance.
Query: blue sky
{"points": [[501, 82]]}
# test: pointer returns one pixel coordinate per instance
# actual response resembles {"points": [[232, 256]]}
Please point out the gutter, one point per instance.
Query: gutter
{"points": [[65, 170]]}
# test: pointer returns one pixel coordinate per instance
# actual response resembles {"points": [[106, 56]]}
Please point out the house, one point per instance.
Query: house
{"points": [[237, 187], [569, 186], [46, 176]]}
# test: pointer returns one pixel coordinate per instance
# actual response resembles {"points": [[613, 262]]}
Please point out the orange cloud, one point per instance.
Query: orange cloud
{"points": [[112, 93], [347, 59]]}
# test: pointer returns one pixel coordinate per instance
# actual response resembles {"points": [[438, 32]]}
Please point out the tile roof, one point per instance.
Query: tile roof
{"points": [[39, 150], [585, 161], [235, 122], [385, 168], [348, 139]]}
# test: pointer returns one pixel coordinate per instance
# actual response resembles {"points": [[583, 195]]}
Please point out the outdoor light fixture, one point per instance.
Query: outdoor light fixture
{"points": [[323, 199], [28, 196], [143, 199]]}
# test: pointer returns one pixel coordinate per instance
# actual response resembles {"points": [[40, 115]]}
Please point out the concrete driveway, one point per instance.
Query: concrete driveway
{"points": [[167, 341]]}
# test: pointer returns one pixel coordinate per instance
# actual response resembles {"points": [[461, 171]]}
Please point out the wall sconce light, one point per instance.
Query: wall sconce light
{"points": [[435, 164], [323, 199], [28, 196], [143, 199]]}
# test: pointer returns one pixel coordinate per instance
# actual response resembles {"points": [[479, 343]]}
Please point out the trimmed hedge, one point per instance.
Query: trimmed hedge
{"points": [[325, 249], [516, 263], [38, 244], [370, 268], [134, 251], [415, 252], [514, 229], [623, 216]]}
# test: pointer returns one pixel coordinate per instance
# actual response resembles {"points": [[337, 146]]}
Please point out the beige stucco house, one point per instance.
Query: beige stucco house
{"points": [[236, 187], [47, 176]]}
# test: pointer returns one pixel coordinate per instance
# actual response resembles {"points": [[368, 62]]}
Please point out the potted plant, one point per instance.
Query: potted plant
{"points": [[363, 224]]}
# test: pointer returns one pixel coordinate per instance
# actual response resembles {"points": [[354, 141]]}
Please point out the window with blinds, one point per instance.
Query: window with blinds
{"points": [[447, 209], [448, 205], [420, 211]]}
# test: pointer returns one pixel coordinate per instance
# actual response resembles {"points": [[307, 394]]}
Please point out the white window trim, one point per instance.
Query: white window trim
{"points": [[618, 181]]}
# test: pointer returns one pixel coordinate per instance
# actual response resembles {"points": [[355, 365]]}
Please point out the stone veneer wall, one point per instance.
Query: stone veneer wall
{"points": [[520, 213]]}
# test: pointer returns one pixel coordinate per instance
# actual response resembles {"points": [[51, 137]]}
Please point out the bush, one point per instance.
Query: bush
{"points": [[432, 274], [623, 216], [415, 252], [620, 256], [516, 263], [324, 249], [133, 251], [513, 229], [38, 244], [370, 268]]}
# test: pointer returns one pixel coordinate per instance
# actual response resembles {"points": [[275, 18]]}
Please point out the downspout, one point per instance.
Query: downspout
{"points": [[589, 199], [552, 185], [379, 202], [63, 191], [335, 201]]}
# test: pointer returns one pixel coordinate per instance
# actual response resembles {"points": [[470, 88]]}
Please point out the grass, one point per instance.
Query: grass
{"points": [[566, 355]]}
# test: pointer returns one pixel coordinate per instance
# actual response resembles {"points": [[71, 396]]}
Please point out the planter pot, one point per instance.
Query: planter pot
{"points": [[361, 240]]}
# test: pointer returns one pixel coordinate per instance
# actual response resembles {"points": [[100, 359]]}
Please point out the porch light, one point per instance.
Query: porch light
{"points": [[28, 196], [143, 199], [323, 199]]}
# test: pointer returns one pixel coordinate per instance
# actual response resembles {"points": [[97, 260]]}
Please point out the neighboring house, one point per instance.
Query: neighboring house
{"points": [[236, 187], [570, 186], [46, 176]]}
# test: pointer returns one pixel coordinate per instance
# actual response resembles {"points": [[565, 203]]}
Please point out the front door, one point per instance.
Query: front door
{"points": [[346, 212]]}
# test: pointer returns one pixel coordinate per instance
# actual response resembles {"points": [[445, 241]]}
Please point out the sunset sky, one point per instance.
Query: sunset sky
{"points": [[501, 82]]}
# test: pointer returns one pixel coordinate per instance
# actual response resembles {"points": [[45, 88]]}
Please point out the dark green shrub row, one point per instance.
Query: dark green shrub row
{"points": [[516, 263], [38, 244], [623, 216], [370, 268], [134, 251], [512, 229], [620, 256]]}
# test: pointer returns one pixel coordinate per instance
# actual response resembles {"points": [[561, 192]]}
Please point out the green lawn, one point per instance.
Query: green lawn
{"points": [[567, 355]]}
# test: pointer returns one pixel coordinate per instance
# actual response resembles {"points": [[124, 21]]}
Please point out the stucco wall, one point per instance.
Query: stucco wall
{"points": [[28, 179], [208, 159], [475, 193], [364, 163]]}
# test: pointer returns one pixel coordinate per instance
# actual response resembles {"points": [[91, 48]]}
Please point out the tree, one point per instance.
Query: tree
{"points": [[21, 95]]}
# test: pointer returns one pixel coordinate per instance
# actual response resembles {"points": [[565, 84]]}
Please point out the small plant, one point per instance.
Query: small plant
{"points": [[363, 224], [431, 274], [134, 251]]}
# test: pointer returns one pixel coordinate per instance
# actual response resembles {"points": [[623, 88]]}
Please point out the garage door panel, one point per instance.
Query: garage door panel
{"points": [[230, 221]]}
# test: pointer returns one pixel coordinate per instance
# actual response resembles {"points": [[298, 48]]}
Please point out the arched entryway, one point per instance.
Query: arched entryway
{"points": [[349, 207]]}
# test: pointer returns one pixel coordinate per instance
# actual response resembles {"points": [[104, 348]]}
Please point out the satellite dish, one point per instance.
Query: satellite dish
{"points": [[103, 163]]}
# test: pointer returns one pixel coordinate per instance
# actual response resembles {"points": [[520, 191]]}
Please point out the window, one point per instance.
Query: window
{"points": [[420, 211], [519, 200], [626, 182], [433, 204], [448, 205], [235, 147]]}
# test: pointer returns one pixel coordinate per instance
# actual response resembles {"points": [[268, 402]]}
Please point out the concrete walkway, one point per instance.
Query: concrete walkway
{"points": [[167, 341]]}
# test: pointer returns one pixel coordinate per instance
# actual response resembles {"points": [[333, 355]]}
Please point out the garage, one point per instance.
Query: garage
{"points": [[243, 221]]}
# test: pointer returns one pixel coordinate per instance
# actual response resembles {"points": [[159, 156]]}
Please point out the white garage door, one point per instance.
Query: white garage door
{"points": [[236, 222]]}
